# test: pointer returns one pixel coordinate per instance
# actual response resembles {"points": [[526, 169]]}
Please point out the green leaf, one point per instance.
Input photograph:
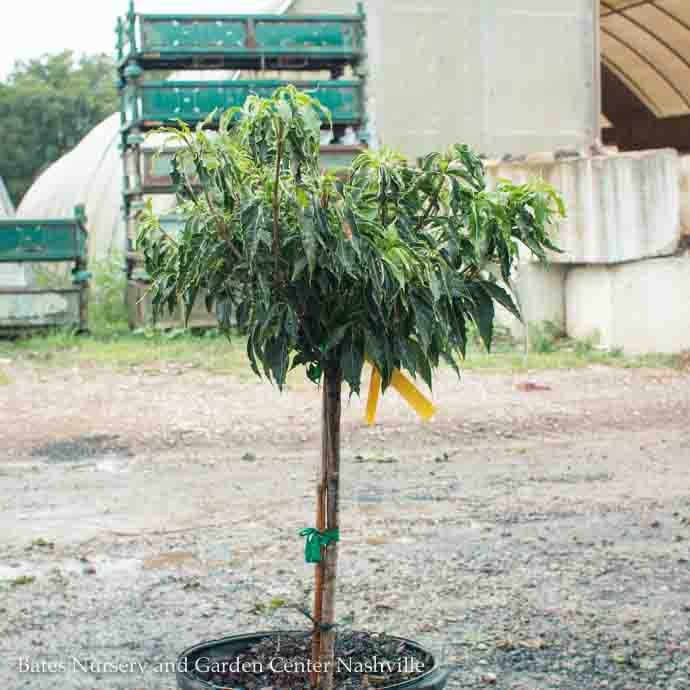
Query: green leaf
{"points": [[335, 337], [482, 311], [352, 363], [309, 241], [497, 293]]}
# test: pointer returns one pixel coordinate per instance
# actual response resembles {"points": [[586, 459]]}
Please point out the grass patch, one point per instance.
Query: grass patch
{"points": [[514, 361], [124, 349], [5, 380], [212, 352]]}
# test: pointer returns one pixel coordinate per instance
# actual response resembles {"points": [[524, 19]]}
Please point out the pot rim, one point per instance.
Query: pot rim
{"points": [[435, 667]]}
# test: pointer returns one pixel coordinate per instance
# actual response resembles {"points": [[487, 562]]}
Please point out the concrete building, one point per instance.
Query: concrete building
{"points": [[539, 87]]}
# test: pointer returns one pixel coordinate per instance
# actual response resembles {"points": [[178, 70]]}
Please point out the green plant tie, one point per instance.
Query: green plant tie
{"points": [[315, 540]]}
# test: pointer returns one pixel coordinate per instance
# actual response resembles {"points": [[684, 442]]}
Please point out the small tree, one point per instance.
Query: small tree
{"points": [[387, 263]]}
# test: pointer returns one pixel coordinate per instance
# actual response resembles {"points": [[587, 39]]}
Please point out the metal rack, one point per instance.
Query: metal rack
{"points": [[299, 48]]}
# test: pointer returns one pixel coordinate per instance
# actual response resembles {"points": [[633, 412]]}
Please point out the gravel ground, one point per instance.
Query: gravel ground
{"points": [[533, 539]]}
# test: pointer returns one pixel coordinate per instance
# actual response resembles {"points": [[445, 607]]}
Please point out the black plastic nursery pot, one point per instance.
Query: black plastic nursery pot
{"points": [[203, 654]]}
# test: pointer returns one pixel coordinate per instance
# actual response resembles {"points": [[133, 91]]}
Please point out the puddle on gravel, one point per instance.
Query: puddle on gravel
{"points": [[86, 447]]}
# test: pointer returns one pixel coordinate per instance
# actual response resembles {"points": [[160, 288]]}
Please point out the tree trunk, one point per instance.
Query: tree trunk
{"points": [[326, 572]]}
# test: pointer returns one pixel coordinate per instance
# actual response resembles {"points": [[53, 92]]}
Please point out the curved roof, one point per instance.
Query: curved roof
{"points": [[90, 174], [646, 44]]}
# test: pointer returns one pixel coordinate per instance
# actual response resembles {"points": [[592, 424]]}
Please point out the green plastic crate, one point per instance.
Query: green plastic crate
{"points": [[241, 39], [153, 103], [24, 240]]}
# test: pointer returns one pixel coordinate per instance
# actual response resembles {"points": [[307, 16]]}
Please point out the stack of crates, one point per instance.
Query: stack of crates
{"points": [[229, 57]]}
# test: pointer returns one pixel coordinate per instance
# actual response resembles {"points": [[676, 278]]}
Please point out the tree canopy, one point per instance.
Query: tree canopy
{"points": [[387, 262], [47, 106]]}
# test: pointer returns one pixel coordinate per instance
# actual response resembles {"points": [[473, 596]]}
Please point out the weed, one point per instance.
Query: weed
{"points": [[107, 309], [21, 581], [545, 337], [262, 608]]}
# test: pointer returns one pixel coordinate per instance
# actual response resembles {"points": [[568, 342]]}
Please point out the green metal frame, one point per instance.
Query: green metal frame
{"points": [[150, 104], [160, 41]]}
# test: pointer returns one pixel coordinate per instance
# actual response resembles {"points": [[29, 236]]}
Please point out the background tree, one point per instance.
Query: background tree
{"points": [[47, 106], [388, 262]]}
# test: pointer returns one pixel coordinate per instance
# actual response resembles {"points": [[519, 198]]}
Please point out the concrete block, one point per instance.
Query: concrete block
{"points": [[685, 195], [621, 207], [640, 307], [539, 290]]}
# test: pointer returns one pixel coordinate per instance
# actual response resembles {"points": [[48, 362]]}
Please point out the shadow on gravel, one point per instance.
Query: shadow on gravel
{"points": [[83, 448]]}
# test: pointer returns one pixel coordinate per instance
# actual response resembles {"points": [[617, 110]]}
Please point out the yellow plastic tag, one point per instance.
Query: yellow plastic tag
{"points": [[409, 392], [373, 398]]}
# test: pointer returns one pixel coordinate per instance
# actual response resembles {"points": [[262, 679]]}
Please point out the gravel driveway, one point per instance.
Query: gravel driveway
{"points": [[534, 539]]}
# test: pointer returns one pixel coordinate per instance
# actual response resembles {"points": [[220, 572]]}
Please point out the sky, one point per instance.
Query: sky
{"points": [[30, 28]]}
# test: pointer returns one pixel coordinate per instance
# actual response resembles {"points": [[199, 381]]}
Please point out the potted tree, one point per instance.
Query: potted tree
{"points": [[386, 263]]}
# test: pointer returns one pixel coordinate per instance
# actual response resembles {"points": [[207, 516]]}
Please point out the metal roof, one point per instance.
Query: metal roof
{"points": [[646, 44]]}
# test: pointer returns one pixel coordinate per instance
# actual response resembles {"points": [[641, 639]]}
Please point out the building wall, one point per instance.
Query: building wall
{"points": [[505, 76], [477, 71]]}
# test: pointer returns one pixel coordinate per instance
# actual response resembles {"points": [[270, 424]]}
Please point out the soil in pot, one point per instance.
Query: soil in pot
{"points": [[282, 662]]}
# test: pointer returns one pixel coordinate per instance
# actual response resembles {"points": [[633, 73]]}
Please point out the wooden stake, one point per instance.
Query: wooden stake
{"points": [[320, 525], [332, 389]]}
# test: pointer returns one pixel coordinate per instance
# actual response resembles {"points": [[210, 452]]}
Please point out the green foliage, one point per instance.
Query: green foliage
{"points": [[107, 309], [266, 607], [584, 346], [549, 337], [545, 337], [46, 107], [387, 263]]}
